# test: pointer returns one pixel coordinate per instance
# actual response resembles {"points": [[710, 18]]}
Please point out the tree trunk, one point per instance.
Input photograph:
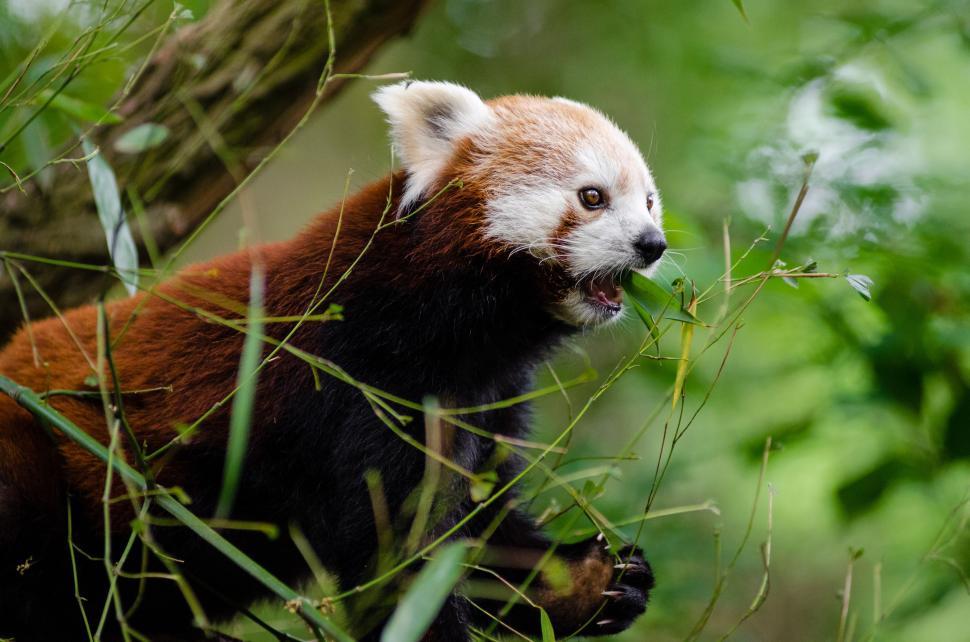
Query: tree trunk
{"points": [[251, 67]]}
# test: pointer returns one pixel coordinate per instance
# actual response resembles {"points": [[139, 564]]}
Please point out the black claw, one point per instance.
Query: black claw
{"points": [[634, 569], [626, 598]]}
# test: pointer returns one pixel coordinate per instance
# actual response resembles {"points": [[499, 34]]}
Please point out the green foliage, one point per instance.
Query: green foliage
{"points": [[861, 284], [859, 106], [545, 624], [74, 107], [652, 299], [107, 200], [424, 598], [242, 402], [141, 138], [740, 6]]}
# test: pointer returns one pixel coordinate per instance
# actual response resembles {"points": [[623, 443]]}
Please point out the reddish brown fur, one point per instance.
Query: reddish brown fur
{"points": [[198, 379], [589, 576]]}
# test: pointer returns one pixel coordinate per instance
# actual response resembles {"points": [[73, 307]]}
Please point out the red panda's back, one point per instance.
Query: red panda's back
{"points": [[172, 365]]}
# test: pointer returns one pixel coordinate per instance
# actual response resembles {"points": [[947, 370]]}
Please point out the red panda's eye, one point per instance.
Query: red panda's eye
{"points": [[649, 202], [592, 198]]}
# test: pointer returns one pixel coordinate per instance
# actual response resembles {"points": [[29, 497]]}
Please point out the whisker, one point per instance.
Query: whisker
{"points": [[671, 262]]}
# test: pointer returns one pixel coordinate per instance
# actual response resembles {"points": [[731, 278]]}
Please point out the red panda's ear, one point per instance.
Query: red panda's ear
{"points": [[427, 120]]}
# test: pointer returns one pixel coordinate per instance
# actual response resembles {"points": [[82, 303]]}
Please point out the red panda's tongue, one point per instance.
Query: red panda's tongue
{"points": [[606, 291]]}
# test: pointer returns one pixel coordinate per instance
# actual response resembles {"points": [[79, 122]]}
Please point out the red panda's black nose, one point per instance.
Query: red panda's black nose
{"points": [[650, 245]]}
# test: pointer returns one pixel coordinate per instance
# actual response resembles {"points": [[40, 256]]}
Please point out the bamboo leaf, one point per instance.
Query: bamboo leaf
{"points": [[78, 108], [181, 13], [861, 284], [242, 402], [860, 106], [38, 150], [656, 300], [739, 5], [483, 485], [548, 634], [686, 338], [419, 606], [141, 138], [121, 243], [648, 321]]}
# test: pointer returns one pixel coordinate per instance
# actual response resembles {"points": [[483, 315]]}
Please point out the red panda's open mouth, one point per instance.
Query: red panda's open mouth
{"points": [[605, 292]]}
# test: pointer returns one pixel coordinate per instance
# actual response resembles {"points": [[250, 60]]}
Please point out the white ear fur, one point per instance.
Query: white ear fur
{"points": [[427, 119]]}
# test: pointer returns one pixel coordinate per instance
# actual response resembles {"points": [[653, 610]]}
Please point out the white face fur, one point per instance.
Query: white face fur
{"points": [[561, 181]]}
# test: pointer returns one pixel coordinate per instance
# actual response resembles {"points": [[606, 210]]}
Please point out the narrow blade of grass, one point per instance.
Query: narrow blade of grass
{"points": [[548, 634], [421, 603], [23, 311], [686, 338], [242, 403]]}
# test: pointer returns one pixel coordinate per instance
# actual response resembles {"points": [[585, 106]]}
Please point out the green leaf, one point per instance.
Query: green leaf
{"points": [[181, 13], [860, 106], [121, 244], [77, 108], [483, 485], [739, 5], [861, 284], [686, 339], [419, 606], [545, 624], [656, 300], [141, 138], [242, 402], [38, 150], [648, 321]]}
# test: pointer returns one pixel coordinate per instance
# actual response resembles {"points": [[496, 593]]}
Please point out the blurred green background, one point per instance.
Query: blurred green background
{"points": [[867, 403]]}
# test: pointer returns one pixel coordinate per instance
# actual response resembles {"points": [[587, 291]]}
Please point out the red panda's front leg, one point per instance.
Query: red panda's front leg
{"points": [[585, 588]]}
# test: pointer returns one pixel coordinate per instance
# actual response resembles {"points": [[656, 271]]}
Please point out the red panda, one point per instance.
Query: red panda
{"points": [[508, 228]]}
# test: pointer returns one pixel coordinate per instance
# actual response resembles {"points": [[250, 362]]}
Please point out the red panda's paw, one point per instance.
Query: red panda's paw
{"points": [[606, 593], [625, 599]]}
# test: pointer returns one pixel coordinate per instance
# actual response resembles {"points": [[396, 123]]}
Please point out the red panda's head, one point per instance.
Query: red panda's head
{"points": [[557, 179]]}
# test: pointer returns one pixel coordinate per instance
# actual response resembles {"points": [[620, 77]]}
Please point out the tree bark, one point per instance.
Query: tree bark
{"points": [[252, 68]]}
